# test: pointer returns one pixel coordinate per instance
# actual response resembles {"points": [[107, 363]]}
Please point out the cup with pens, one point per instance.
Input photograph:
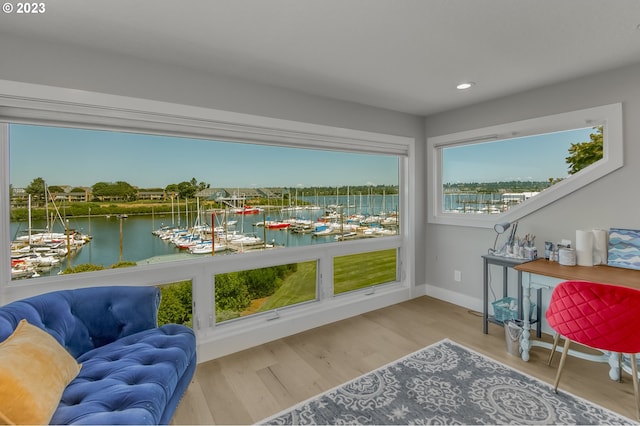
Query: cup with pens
{"points": [[522, 248]]}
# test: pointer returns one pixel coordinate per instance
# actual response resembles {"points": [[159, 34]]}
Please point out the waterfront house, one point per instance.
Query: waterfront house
{"points": [[378, 74], [149, 194]]}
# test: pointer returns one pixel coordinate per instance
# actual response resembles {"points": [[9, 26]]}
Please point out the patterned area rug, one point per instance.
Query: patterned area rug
{"points": [[446, 383]]}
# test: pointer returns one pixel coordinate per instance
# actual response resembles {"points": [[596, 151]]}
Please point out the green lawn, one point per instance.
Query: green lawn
{"points": [[297, 287], [363, 270], [350, 273]]}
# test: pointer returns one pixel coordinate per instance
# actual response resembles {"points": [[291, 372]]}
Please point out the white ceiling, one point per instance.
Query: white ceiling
{"points": [[404, 55]]}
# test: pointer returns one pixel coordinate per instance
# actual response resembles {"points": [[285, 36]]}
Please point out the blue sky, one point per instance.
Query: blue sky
{"points": [[77, 157], [535, 158]]}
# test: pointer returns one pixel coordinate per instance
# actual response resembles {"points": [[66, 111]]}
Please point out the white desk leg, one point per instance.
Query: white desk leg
{"points": [[525, 345], [614, 366]]}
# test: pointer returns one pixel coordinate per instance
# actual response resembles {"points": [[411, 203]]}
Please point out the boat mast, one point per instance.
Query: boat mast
{"points": [[213, 232], [348, 210], [46, 205], [178, 204], [172, 213], [29, 231], [186, 211]]}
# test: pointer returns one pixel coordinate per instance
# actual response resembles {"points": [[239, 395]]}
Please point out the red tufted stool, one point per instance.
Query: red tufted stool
{"points": [[601, 316]]}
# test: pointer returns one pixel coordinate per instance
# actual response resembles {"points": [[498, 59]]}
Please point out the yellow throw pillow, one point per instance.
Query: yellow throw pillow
{"points": [[34, 371]]}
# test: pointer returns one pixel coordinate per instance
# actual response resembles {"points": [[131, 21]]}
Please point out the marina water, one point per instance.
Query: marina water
{"points": [[139, 244]]}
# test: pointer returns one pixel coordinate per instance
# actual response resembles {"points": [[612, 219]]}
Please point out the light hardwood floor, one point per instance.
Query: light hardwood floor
{"points": [[246, 387]]}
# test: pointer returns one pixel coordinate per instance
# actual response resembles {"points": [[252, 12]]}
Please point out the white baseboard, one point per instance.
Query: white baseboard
{"points": [[456, 298]]}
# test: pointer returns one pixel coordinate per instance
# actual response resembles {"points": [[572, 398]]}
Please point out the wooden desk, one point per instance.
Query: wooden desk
{"points": [[599, 273], [543, 274]]}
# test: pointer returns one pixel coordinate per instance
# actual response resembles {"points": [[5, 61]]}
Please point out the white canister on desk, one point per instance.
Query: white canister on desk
{"points": [[567, 256], [584, 248]]}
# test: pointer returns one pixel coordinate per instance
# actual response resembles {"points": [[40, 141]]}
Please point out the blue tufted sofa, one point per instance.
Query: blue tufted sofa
{"points": [[133, 372]]}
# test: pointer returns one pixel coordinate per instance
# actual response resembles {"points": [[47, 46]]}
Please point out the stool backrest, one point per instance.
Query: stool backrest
{"points": [[602, 316]]}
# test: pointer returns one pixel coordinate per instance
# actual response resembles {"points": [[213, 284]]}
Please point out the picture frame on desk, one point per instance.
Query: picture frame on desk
{"points": [[624, 248]]}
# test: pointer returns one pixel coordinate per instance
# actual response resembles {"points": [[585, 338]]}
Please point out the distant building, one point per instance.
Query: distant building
{"points": [[237, 197], [212, 194], [152, 195], [72, 194], [19, 198]]}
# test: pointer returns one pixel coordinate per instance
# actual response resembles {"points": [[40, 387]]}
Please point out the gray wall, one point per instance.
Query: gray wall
{"points": [[611, 201], [42, 62], [78, 68], [606, 203]]}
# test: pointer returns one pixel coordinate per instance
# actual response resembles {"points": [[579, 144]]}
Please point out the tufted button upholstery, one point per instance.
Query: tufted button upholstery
{"points": [[602, 316], [133, 372], [87, 318], [132, 378]]}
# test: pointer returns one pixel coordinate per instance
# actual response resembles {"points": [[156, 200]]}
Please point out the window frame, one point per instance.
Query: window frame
{"points": [[610, 116], [25, 103]]}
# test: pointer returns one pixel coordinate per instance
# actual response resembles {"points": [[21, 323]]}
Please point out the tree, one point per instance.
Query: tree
{"points": [[36, 189], [176, 304], [125, 190], [100, 189], [201, 185], [171, 188], [186, 189], [261, 282], [231, 292], [119, 190], [584, 154]]}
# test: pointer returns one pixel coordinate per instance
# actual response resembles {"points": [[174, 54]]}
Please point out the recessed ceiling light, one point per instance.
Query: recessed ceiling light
{"points": [[464, 86]]}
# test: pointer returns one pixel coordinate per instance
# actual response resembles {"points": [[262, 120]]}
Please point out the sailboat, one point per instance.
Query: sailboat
{"points": [[204, 247], [38, 251]]}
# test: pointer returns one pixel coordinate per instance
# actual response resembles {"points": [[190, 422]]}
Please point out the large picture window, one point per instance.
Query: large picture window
{"points": [[136, 188], [505, 172], [83, 199], [493, 177]]}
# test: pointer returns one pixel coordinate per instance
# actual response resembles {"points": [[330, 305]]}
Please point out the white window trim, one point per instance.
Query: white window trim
{"points": [[608, 115], [35, 104], [44, 105]]}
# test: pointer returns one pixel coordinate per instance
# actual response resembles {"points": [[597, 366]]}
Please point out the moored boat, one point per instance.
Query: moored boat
{"points": [[247, 210], [278, 225], [205, 248]]}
